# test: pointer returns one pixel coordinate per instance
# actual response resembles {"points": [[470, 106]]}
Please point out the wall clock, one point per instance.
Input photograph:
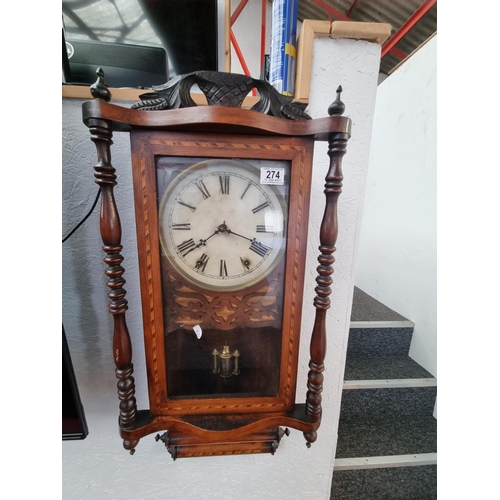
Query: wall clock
{"points": [[222, 202]]}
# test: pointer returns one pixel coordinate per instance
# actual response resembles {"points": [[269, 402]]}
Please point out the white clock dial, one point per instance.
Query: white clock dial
{"points": [[220, 227]]}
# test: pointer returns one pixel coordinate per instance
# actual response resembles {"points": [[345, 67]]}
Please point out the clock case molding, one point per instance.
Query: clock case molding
{"points": [[223, 425]]}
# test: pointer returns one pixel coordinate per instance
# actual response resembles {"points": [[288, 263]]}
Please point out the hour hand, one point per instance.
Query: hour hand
{"points": [[202, 242], [186, 247]]}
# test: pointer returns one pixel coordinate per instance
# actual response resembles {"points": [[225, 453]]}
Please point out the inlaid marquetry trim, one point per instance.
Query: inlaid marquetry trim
{"points": [[149, 274], [297, 246], [219, 407]]}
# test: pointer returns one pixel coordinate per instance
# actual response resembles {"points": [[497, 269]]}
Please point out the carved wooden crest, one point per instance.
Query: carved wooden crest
{"points": [[220, 89]]}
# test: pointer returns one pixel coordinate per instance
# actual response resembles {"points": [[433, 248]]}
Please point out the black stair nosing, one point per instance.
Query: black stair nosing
{"points": [[388, 402], [397, 483], [382, 368], [367, 308], [372, 437]]}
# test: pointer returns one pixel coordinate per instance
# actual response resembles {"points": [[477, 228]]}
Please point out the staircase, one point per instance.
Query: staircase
{"points": [[387, 436]]}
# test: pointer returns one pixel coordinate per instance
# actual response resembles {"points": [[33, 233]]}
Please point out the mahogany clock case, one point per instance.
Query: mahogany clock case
{"points": [[262, 320], [246, 322]]}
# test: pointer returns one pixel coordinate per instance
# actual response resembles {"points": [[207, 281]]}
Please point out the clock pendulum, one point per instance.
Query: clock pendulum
{"points": [[224, 367]]}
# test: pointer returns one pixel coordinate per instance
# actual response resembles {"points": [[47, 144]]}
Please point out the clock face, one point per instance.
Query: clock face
{"points": [[220, 227]]}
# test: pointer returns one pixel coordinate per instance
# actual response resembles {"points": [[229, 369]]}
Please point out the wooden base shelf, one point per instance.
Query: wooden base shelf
{"points": [[204, 435], [182, 446]]}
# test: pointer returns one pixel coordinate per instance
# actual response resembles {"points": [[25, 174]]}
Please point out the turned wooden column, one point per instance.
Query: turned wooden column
{"points": [[111, 233], [337, 143]]}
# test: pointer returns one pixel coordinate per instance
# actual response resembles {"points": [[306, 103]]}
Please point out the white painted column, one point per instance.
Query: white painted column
{"points": [[354, 64]]}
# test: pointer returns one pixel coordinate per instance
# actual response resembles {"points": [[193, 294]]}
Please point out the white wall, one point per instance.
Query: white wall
{"points": [[98, 467], [247, 31], [397, 253]]}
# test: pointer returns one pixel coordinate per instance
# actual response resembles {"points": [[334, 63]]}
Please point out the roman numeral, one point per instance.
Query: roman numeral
{"points": [[204, 191], [224, 184], [265, 229], [223, 269], [182, 227], [201, 263], [186, 205], [259, 248], [260, 207], [186, 246], [246, 189]]}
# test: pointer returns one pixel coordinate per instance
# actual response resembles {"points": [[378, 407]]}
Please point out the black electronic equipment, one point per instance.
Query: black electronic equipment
{"points": [[124, 65], [140, 43]]}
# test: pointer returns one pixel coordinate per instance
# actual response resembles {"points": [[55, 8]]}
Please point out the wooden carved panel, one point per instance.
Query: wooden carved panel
{"points": [[186, 305]]}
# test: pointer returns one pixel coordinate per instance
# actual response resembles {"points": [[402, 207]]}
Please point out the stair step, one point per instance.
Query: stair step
{"points": [[367, 437], [366, 308], [394, 483], [365, 342], [384, 401], [373, 368]]}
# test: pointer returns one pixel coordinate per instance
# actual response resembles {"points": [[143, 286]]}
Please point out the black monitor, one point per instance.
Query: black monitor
{"points": [[130, 32], [124, 65]]}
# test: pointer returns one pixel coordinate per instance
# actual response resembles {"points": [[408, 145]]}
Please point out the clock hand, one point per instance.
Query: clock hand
{"points": [[236, 234], [224, 229], [256, 246], [221, 229], [204, 242]]}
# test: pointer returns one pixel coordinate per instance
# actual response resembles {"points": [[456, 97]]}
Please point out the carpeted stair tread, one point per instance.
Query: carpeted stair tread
{"points": [[378, 368], [366, 308], [365, 437], [395, 483]]}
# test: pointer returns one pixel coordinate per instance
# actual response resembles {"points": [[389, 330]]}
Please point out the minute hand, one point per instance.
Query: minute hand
{"points": [[255, 246], [236, 234]]}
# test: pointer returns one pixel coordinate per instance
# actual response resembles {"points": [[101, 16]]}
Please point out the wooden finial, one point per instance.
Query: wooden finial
{"points": [[337, 107], [99, 89]]}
